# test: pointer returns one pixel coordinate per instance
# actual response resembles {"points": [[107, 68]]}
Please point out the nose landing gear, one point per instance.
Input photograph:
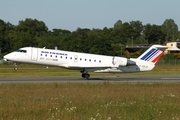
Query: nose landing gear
{"points": [[15, 66]]}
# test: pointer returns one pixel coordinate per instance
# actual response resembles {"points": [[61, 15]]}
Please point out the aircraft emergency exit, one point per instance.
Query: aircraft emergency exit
{"points": [[87, 62]]}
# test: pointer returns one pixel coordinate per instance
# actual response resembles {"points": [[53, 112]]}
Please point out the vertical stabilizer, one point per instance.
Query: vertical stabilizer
{"points": [[153, 54]]}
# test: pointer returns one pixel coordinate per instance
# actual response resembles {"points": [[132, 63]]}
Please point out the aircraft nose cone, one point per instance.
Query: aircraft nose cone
{"points": [[7, 57], [10, 57]]}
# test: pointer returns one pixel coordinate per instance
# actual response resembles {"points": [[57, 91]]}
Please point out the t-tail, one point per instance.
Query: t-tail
{"points": [[153, 54]]}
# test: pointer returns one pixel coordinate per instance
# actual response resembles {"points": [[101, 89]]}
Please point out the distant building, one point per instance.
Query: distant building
{"points": [[173, 47], [136, 47]]}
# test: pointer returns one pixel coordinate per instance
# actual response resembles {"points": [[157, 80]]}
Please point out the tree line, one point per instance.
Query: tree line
{"points": [[106, 41]]}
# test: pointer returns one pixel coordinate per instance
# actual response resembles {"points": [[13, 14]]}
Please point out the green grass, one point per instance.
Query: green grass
{"points": [[90, 101], [35, 70], [87, 101]]}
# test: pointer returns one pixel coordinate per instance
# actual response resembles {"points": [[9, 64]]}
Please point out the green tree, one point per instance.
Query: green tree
{"points": [[136, 29], [107, 41], [5, 32], [127, 33], [33, 27], [100, 43], [2, 31], [170, 30], [53, 38], [118, 24], [27, 32], [178, 35], [153, 34]]}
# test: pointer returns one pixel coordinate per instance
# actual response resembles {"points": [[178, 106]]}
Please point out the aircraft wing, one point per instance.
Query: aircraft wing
{"points": [[91, 68]]}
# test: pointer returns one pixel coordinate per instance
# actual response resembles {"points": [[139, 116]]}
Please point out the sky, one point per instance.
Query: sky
{"points": [[73, 14]]}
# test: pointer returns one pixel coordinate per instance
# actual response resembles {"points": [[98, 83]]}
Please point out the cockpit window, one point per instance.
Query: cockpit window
{"points": [[23, 51]]}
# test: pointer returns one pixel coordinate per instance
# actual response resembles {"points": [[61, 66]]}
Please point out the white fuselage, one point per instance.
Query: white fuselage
{"points": [[76, 60]]}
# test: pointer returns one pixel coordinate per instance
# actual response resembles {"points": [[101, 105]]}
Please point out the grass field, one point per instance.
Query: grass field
{"points": [[87, 101], [34, 70]]}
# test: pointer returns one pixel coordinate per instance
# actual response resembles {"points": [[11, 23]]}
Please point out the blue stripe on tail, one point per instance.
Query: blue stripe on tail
{"points": [[148, 54], [155, 52]]}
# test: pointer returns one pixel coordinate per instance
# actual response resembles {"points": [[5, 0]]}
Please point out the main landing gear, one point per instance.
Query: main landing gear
{"points": [[85, 74]]}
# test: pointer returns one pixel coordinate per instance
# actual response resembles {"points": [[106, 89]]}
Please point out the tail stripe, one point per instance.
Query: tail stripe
{"points": [[143, 57], [152, 55], [158, 57], [155, 53]]}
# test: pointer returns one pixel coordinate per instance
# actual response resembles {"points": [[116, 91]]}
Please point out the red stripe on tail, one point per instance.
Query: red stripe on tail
{"points": [[157, 58]]}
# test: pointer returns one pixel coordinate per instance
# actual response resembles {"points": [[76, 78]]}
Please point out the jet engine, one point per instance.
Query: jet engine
{"points": [[117, 61]]}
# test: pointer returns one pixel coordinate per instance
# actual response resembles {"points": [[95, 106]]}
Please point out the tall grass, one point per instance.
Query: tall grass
{"points": [[87, 101], [104, 101]]}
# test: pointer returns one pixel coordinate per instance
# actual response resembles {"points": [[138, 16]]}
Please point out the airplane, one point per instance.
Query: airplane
{"points": [[86, 62]]}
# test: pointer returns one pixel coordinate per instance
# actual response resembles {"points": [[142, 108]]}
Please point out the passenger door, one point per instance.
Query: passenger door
{"points": [[34, 54]]}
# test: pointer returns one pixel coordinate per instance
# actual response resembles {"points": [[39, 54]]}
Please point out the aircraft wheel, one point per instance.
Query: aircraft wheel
{"points": [[15, 68], [87, 76], [84, 75]]}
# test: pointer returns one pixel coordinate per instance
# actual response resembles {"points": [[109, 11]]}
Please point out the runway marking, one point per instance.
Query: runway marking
{"points": [[171, 78]]}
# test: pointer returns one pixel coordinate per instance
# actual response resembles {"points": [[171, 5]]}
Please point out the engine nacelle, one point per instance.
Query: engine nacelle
{"points": [[117, 61]]}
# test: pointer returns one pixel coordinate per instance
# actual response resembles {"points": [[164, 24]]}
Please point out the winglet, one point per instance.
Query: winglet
{"points": [[153, 54]]}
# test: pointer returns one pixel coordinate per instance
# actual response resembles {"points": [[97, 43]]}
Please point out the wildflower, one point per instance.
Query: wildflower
{"points": [[91, 118], [172, 95], [109, 118], [97, 114]]}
